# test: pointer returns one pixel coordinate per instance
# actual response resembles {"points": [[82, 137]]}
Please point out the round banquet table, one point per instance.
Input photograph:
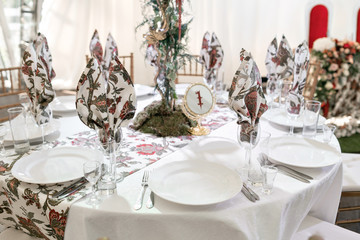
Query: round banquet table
{"points": [[275, 216]]}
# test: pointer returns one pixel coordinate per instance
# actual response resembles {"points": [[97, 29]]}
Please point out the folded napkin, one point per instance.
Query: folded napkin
{"points": [[285, 60], [246, 95], [211, 55], [96, 49], [103, 58], [271, 60], [38, 73], [302, 58], [105, 104]]}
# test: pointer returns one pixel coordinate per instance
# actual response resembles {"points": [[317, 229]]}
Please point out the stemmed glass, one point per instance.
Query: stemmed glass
{"points": [[3, 131], [293, 105], [273, 90], [42, 125], [248, 137], [92, 173]]}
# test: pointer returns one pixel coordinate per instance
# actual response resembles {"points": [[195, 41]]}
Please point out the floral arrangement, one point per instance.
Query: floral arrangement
{"points": [[337, 62]]}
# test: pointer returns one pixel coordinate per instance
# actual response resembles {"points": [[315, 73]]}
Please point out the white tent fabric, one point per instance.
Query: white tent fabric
{"points": [[69, 25]]}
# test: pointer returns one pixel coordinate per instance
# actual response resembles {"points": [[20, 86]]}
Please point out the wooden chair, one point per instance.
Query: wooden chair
{"points": [[12, 84], [311, 80], [191, 68], [350, 205], [127, 61]]}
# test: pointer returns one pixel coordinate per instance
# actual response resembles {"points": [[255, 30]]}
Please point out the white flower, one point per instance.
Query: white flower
{"points": [[328, 86], [322, 44], [345, 66], [333, 67], [346, 73]]}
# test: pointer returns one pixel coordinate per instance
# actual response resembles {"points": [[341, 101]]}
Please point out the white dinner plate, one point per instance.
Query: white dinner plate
{"points": [[279, 116], [143, 90], [54, 165], [33, 131], [195, 182], [302, 152], [63, 104]]}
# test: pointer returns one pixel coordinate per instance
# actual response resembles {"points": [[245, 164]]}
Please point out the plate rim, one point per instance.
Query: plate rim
{"points": [[55, 128], [61, 149], [196, 204], [274, 160], [284, 124]]}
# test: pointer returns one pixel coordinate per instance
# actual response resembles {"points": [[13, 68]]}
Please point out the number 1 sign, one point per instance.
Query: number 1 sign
{"points": [[197, 103]]}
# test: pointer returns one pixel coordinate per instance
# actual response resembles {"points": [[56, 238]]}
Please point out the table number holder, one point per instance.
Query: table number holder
{"points": [[197, 103]]}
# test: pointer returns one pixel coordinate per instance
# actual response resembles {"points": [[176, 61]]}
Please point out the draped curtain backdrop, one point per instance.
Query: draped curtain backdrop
{"points": [[69, 25]]}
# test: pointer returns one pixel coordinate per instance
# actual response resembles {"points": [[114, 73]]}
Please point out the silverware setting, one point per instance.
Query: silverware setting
{"points": [[249, 193], [144, 185], [264, 160], [71, 189]]}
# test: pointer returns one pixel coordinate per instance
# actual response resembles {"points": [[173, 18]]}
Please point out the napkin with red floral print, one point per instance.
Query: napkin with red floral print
{"points": [[211, 55], [103, 57], [302, 58], [38, 73], [105, 104], [246, 95], [279, 60], [271, 60]]}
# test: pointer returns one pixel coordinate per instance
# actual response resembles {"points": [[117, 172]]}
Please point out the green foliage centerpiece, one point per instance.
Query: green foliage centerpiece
{"points": [[166, 46]]}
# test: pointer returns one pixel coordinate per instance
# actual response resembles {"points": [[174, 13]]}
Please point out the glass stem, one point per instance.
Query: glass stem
{"points": [[42, 134], [291, 130], [248, 159]]}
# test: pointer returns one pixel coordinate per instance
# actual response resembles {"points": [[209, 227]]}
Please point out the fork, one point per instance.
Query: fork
{"points": [[144, 184]]}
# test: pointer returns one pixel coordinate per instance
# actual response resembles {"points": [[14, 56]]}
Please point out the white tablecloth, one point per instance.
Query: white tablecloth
{"points": [[275, 216]]}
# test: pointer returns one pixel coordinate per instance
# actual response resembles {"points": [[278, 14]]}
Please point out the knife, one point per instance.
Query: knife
{"points": [[79, 182], [293, 175], [247, 194], [254, 194], [296, 172], [75, 190]]}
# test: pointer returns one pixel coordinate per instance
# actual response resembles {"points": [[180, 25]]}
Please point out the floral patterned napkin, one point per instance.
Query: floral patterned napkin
{"points": [[38, 73], [271, 60], [246, 95], [105, 104], [103, 57], [211, 55], [285, 60], [279, 60], [302, 58]]}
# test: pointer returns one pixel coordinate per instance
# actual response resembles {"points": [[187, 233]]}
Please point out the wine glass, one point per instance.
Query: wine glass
{"points": [[293, 105], [3, 131], [92, 173], [248, 137], [285, 89], [43, 122], [273, 90]]}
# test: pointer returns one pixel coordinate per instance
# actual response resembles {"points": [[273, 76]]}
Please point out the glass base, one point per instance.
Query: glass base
{"points": [[107, 188], [93, 200]]}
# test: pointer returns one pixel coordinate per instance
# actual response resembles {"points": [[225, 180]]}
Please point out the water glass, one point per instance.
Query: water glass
{"points": [[328, 131], [3, 131], [220, 88], [293, 106], [17, 119], [92, 173], [310, 119], [269, 174], [285, 89], [273, 89]]}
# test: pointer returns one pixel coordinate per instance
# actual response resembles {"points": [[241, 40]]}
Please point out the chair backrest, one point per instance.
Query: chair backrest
{"points": [[11, 84], [319, 14], [127, 61], [311, 80], [191, 68]]}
